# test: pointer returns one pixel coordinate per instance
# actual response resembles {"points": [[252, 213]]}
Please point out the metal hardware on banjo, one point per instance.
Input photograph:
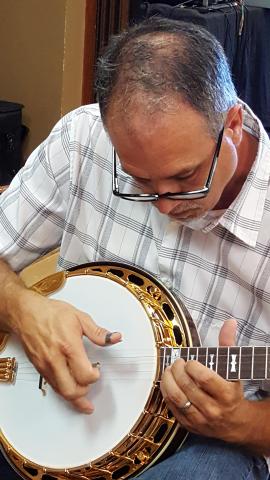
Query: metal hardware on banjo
{"points": [[44, 438]]}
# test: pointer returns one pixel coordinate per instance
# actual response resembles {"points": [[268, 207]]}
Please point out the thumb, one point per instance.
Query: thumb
{"points": [[227, 335], [98, 335]]}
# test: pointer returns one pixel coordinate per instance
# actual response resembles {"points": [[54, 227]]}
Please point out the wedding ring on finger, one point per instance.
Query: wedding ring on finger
{"points": [[185, 407]]}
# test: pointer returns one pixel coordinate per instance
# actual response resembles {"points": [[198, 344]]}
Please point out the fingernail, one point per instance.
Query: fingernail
{"points": [[88, 411], [108, 337]]}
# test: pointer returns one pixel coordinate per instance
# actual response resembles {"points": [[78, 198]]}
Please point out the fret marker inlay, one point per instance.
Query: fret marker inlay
{"points": [[211, 363], [233, 363]]}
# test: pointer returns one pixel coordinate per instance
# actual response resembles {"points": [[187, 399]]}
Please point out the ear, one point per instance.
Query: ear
{"points": [[234, 123]]}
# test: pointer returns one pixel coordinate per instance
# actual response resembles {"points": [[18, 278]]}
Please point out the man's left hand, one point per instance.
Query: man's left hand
{"points": [[218, 408]]}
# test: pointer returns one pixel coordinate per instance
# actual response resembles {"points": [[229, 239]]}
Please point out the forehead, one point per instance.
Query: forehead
{"points": [[159, 143]]}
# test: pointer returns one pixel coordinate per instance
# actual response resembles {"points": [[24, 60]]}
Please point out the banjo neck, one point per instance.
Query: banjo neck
{"points": [[231, 363]]}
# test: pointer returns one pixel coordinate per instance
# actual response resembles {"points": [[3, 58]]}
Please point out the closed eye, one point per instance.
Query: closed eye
{"points": [[178, 178], [184, 176], [144, 181]]}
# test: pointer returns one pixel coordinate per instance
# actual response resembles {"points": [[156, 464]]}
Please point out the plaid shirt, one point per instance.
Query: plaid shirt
{"points": [[63, 196]]}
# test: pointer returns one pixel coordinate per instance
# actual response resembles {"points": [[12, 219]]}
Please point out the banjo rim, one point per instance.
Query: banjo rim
{"points": [[159, 295]]}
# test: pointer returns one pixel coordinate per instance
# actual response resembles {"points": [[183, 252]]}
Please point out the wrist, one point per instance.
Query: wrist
{"points": [[238, 430], [16, 297], [246, 422]]}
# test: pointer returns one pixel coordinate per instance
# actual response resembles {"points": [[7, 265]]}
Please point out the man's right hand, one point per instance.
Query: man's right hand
{"points": [[51, 332]]}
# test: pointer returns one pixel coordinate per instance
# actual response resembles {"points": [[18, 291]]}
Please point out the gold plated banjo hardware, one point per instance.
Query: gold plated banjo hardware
{"points": [[8, 368], [3, 340], [50, 284], [156, 427]]}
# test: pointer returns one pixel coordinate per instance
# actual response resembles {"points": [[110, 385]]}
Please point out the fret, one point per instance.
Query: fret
{"points": [[259, 363], [212, 358], [227, 372], [223, 362], [268, 362], [240, 362], [192, 353], [162, 368], [202, 357], [233, 363], [252, 364]]}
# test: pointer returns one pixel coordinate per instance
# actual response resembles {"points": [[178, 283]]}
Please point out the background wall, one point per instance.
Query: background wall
{"points": [[41, 58]]}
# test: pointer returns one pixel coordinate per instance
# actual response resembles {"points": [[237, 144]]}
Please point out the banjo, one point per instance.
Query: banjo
{"points": [[44, 438]]}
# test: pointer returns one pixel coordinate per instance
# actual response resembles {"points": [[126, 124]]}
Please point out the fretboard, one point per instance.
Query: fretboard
{"points": [[231, 363]]}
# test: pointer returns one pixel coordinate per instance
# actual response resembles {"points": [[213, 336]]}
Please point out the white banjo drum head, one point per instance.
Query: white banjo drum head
{"points": [[44, 428]]}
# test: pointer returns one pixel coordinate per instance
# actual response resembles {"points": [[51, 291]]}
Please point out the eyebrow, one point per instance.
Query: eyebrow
{"points": [[171, 177]]}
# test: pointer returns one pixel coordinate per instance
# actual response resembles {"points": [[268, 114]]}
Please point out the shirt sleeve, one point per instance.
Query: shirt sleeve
{"points": [[33, 208]]}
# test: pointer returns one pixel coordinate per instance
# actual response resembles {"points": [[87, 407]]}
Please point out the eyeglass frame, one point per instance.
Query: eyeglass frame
{"points": [[152, 197]]}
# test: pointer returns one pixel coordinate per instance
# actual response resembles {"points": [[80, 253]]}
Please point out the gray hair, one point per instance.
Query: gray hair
{"points": [[162, 59]]}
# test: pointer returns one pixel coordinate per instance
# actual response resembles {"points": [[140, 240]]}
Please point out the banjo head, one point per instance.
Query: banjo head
{"points": [[44, 437]]}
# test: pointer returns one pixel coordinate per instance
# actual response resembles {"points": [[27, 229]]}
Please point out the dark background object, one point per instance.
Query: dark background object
{"points": [[12, 133], [138, 8], [244, 33]]}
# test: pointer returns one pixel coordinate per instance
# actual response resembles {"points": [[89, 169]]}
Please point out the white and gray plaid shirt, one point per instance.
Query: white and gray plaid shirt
{"points": [[63, 195]]}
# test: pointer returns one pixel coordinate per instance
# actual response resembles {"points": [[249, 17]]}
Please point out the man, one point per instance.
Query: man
{"points": [[190, 167]]}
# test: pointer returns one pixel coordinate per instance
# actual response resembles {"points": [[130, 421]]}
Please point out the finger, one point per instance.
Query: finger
{"points": [[211, 383], [83, 405], [170, 390], [98, 335], [189, 387], [205, 406], [227, 335], [176, 399], [190, 419], [61, 379], [68, 389], [79, 364]]}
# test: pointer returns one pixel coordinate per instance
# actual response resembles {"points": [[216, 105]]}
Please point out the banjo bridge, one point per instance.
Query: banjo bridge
{"points": [[8, 369]]}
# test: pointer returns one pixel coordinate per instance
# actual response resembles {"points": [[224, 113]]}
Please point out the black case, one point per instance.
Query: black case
{"points": [[11, 132]]}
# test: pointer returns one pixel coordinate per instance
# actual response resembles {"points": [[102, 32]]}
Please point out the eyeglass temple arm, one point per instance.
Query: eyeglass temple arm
{"points": [[214, 164]]}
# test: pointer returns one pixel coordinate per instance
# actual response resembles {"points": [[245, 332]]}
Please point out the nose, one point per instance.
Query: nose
{"points": [[165, 205]]}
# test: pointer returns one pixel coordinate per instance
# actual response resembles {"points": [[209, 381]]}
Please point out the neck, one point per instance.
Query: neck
{"points": [[246, 153], [231, 363]]}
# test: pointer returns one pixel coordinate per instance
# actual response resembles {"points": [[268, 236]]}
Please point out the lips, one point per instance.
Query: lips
{"points": [[186, 214], [189, 211], [181, 217]]}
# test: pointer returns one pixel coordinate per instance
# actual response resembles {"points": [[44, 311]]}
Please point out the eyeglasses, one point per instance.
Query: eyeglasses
{"points": [[151, 197]]}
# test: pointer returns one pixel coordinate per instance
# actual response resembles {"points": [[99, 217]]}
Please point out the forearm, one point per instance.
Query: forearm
{"points": [[12, 292]]}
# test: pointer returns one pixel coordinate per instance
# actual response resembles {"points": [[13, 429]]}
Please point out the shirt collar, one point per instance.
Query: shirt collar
{"points": [[244, 216]]}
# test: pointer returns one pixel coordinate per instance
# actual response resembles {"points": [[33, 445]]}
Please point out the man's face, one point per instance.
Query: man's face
{"points": [[173, 152]]}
